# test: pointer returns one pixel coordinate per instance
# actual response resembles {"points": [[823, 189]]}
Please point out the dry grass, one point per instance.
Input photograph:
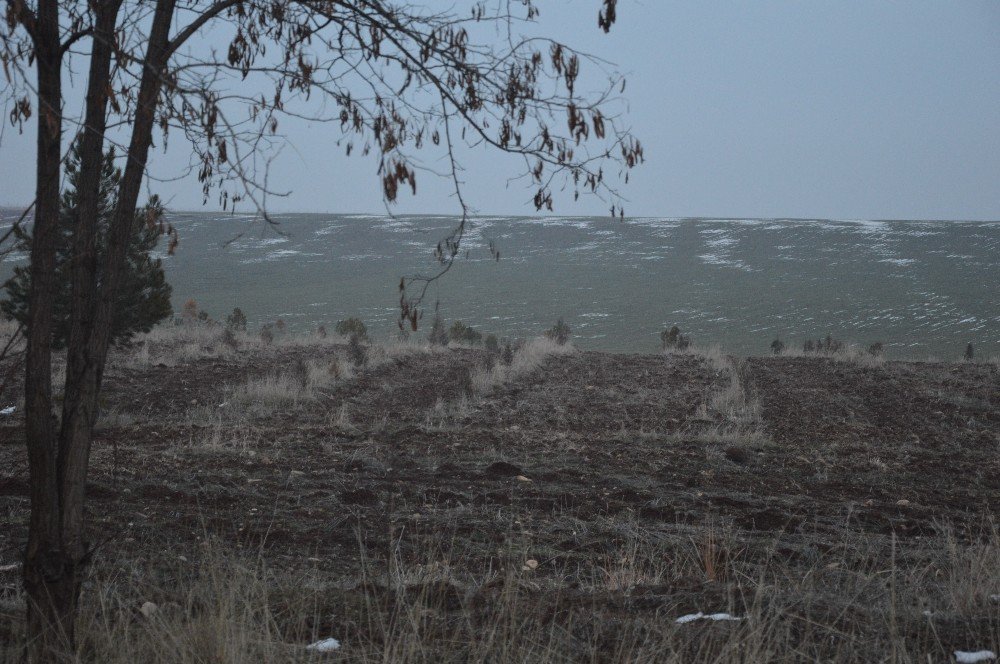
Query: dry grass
{"points": [[863, 600], [531, 355], [384, 352], [730, 415], [300, 383], [713, 354], [848, 354], [171, 344], [448, 415]]}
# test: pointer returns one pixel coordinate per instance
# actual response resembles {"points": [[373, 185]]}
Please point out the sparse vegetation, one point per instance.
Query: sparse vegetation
{"points": [[438, 335], [236, 321], [826, 346], [672, 339], [229, 339], [352, 327], [299, 383], [577, 531], [528, 357], [433, 606], [777, 347], [969, 353], [464, 334], [357, 351], [560, 332]]}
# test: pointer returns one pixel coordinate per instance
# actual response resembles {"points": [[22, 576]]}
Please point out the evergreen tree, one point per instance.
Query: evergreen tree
{"points": [[143, 296]]}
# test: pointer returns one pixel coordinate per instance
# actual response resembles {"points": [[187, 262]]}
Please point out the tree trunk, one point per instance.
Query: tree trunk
{"points": [[120, 229], [55, 557], [51, 603], [79, 407]]}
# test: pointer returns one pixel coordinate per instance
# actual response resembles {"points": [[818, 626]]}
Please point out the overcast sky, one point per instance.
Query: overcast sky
{"points": [[747, 109]]}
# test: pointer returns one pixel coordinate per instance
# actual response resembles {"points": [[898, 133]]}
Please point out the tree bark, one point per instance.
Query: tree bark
{"points": [[120, 229], [50, 619], [54, 559], [79, 407]]}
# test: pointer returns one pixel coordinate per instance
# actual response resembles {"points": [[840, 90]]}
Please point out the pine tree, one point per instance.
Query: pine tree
{"points": [[143, 297]]}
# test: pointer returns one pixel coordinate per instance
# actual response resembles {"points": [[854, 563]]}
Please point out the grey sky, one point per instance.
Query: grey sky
{"points": [[798, 109]]}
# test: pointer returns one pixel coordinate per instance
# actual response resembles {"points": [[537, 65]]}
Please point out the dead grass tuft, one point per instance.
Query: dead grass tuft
{"points": [[531, 355], [300, 383]]}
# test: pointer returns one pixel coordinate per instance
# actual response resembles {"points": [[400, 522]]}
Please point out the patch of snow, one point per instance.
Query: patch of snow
{"points": [[691, 617], [9, 568], [6, 412], [963, 657], [326, 645]]}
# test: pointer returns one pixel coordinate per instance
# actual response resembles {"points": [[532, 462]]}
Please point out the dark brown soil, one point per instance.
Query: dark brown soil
{"points": [[558, 462]]}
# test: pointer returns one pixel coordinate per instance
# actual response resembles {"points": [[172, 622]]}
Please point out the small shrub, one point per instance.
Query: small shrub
{"points": [[352, 327], [189, 313], [777, 347], [357, 351], [673, 339], [229, 339], [438, 336], [491, 343], [267, 335], [833, 345], [236, 321], [507, 354], [876, 349], [559, 332], [321, 332], [464, 333], [300, 373], [969, 353], [203, 317], [827, 346], [457, 331], [279, 326]]}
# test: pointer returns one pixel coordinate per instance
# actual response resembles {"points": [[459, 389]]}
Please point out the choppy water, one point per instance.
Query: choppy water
{"points": [[921, 287]]}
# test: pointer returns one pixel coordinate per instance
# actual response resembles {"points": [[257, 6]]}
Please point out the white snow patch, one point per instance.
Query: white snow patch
{"points": [[326, 645], [963, 657], [691, 617], [722, 616], [9, 410]]}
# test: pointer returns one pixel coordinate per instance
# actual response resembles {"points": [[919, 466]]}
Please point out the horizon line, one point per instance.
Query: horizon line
{"points": [[555, 215]]}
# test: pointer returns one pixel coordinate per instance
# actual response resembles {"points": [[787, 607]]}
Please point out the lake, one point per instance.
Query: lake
{"points": [[922, 288]]}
